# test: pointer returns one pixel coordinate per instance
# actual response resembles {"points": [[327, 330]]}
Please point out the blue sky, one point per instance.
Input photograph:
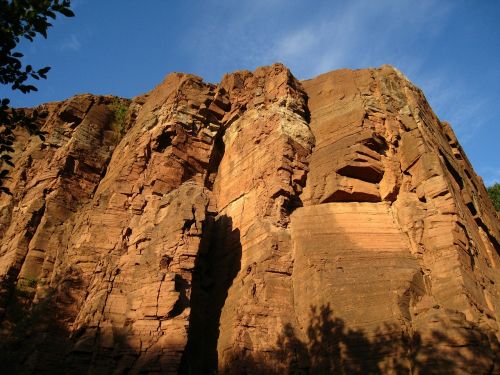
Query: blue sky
{"points": [[449, 48]]}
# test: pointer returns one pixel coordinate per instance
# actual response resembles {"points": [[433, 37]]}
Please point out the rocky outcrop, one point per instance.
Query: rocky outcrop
{"points": [[260, 225]]}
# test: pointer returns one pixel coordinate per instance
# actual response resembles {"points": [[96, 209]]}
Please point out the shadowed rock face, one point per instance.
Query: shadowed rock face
{"points": [[259, 226]]}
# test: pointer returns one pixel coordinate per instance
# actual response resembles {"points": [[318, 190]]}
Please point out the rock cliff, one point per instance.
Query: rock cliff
{"points": [[262, 225]]}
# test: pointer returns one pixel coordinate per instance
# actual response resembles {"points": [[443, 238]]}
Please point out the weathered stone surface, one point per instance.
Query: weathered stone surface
{"points": [[426, 178], [261, 225]]}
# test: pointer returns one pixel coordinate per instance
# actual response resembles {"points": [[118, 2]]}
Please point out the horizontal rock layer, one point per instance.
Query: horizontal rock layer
{"points": [[260, 225]]}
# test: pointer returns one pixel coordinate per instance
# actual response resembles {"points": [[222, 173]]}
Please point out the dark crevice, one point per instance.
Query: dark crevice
{"points": [[441, 194], [471, 208], [492, 239], [209, 116], [147, 154], [69, 167], [68, 115], [90, 169], [165, 262], [188, 172], [377, 143], [365, 173], [215, 159], [468, 174], [292, 203], [343, 196], [128, 232], [182, 302], [188, 224], [457, 154], [216, 267], [472, 259], [468, 251], [393, 195], [452, 170], [163, 141], [294, 200], [34, 221], [470, 179], [307, 111]]}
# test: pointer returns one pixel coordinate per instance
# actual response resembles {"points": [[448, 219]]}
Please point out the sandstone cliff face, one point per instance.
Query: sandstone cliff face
{"points": [[261, 225]]}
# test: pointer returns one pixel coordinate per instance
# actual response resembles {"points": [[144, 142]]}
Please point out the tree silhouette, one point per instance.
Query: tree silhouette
{"points": [[333, 348]]}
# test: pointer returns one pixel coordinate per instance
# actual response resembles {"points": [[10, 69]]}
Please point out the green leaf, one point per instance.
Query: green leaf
{"points": [[44, 70], [67, 12]]}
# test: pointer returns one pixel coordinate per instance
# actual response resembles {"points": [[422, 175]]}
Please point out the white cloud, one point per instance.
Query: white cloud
{"points": [[354, 34], [367, 33], [360, 34], [296, 44], [71, 43]]}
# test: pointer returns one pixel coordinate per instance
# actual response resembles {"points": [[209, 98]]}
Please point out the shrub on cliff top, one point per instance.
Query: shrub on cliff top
{"points": [[120, 110], [494, 193]]}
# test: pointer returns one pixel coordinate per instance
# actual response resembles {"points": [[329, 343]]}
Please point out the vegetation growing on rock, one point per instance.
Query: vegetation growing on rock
{"points": [[494, 193]]}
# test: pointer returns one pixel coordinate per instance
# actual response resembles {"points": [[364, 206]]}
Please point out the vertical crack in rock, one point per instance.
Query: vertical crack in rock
{"points": [[262, 158], [215, 159], [217, 266]]}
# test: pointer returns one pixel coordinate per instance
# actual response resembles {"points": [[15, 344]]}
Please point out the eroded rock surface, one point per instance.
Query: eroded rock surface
{"points": [[261, 225]]}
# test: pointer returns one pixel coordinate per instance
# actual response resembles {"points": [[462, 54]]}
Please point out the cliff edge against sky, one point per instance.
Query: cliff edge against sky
{"points": [[260, 225]]}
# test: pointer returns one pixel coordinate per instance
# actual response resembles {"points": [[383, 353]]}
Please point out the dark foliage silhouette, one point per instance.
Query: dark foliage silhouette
{"points": [[333, 348], [21, 19], [39, 342], [34, 336]]}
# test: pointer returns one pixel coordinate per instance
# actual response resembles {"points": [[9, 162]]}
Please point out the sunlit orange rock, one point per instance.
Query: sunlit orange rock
{"points": [[262, 225]]}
